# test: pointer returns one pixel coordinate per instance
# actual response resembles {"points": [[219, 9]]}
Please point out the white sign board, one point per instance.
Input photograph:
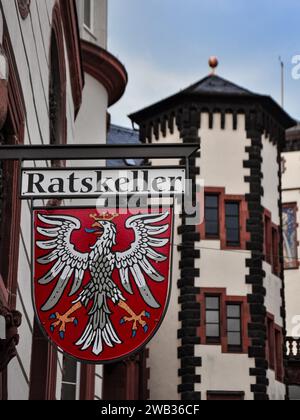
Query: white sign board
{"points": [[76, 183]]}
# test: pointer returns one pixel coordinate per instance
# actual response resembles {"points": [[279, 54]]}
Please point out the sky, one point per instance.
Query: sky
{"points": [[165, 46]]}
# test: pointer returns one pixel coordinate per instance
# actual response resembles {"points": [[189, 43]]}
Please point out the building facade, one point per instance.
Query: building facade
{"points": [[291, 203], [223, 335], [61, 82]]}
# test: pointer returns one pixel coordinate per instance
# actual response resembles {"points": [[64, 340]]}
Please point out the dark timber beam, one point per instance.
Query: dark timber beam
{"points": [[95, 152]]}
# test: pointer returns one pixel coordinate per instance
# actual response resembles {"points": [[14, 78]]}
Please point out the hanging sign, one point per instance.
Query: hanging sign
{"points": [[90, 183], [101, 282]]}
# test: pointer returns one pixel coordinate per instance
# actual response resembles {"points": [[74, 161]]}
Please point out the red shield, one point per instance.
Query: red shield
{"points": [[101, 282]]}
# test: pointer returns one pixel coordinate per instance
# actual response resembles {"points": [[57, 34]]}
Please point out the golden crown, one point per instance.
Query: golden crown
{"points": [[108, 217]]}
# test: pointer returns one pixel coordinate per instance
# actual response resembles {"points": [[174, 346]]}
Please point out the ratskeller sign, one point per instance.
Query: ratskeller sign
{"points": [[38, 183], [101, 278]]}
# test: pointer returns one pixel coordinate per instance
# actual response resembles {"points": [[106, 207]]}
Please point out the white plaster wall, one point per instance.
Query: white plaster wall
{"points": [[270, 171], [98, 34], [224, 372], [290, 177], [276, 390], [222, 269], [31, 43], [163, 360], [223, 153], [273, 300], [90, 127]]}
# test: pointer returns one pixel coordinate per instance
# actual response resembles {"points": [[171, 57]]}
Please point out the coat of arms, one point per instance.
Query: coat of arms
{"points": [[101, 280]]}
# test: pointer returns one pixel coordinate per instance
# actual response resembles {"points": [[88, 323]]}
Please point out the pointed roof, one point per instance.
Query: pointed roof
{"points": [[213, 85], [214, 90]]}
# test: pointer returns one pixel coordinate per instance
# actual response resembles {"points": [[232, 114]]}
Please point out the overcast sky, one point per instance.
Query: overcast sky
{"points": [[165, 45]]}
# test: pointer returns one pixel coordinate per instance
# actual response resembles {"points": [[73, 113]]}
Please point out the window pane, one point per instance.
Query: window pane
{"points": [[212, 331], [212, 303], [232, 222], [68, 392], [211, 201], [211, 215], [233, 235], [234, 339], [212, 228], [212, 317], [87, 13], [69, 370], [234, 325], [233, 311], [232, 209]]}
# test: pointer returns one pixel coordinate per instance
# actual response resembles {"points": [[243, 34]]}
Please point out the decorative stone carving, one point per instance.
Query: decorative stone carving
{"points": [[8, 346], [24, 6]]}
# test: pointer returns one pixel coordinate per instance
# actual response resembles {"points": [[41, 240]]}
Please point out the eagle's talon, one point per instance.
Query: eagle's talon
{"points": [[147, 315], [122, 321], [52, 328], [53, 316], [133, 333], [62, 335], [75, 322], [146, 328]]}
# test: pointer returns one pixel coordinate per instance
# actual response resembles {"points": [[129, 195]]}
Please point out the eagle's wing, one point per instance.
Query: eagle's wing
{"points": [[66, 261], [137, 260]]}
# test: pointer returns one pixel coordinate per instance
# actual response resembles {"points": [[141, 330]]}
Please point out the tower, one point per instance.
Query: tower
{"points": [[223, 336]]}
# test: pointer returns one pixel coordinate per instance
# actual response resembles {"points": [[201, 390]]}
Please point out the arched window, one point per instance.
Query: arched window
{"points": [[44, 355]]}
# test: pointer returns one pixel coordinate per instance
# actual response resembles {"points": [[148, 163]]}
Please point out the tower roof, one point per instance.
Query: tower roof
{"points": [[214, 91], [213, 85]]}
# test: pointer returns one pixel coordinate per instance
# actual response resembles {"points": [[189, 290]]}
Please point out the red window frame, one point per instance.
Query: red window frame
{"points": [[224, 301], [275, 348], [243, 215]]}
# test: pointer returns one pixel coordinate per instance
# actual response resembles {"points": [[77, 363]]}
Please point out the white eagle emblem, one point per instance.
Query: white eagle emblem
{"points": [[68, 268]]}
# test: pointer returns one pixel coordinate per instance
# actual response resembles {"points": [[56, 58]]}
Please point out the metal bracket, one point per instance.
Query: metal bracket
{"points": [[94, 152]]}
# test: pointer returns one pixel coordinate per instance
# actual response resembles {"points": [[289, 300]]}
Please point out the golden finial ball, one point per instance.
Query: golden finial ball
{"points": [[213, 62]]}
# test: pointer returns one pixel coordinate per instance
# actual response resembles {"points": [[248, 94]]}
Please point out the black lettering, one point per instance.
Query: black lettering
{"points": [[35, 183], [88, 184], [122, 182], [72, 178], [173, 181], [157, 181], [57, 186]]}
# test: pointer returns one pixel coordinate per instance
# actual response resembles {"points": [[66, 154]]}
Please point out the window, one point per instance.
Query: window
{"points": [[268, 239], [213, 330], [89, 14], [232, 222], [212, 228], [224, 320], [69, 379], [290, 240], [234, 327], [279, 354]]}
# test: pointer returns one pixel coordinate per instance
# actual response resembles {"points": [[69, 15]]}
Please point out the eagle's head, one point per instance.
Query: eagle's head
{"points": [[104, 229]]}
